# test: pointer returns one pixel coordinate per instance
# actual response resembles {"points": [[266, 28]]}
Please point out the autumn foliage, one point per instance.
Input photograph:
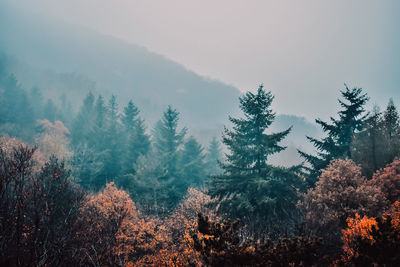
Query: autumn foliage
{"points": [[372, 241], [113, 232], [340, 193], [388, 180]]}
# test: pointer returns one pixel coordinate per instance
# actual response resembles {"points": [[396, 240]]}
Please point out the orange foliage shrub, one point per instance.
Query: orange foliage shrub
{"points": [[179, 227], [357, 228], [340, 193], [388, 179], [372, 241], [113, 232]]}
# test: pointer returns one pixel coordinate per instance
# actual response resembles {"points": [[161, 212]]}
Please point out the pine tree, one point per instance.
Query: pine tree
{"points": [[261, 195], [391, 120], [137, 141], [82, 126], [337, 143], [192, 163], [158, 183], [50, 111], [168, 140], [213, 157], [112, 141], [368, 146], [36, 97]]}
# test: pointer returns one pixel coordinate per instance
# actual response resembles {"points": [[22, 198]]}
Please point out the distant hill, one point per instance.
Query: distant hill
{"points": [[63, 59], [116, 67]]}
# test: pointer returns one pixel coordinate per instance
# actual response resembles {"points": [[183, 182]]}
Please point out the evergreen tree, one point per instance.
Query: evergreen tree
{"points": [[337, 143], [158, 183], [50, 111], [192, 163], [213, 157], [368, 145], [168, 140], [379, 142], [137, 141], [97, 135], [261, 195], [97, 142], [36, 97], [82, 125], [391, 120], [112, 142]]}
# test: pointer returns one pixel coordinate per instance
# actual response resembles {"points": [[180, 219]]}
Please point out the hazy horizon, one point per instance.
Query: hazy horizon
{"points": [[299, 51]]}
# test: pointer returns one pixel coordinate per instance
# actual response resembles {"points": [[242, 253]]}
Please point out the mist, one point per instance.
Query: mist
{"points": [[299, 50], [212, 133]]}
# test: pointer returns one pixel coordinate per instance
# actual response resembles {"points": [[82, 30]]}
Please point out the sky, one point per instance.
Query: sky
{"points": [[303, 51]]}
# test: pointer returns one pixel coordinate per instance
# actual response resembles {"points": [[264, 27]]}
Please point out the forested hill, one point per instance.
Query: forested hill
{"points": [[116, 67], [67, 61]]}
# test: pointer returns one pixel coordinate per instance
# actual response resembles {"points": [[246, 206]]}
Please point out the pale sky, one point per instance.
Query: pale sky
{"points": [[303, 51]]}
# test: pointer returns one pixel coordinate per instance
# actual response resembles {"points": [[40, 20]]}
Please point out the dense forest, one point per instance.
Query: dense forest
{"points": [[98, 188]]}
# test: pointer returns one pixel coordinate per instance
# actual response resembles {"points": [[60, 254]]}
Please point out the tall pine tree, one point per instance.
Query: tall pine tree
{"points": [[158, 181], [192, 162], [137, 141], [340, 131], [213, 157], [264, 197]]}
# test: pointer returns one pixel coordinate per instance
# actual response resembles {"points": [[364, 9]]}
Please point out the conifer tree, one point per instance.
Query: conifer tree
{"points": [[379, 142], [50, 111], [391, 120], [368, 145], [98, 131], [213, 157], [192, 163], [340, 131], [158, 182], [251, 189], [82, 125], [168, 140], [137, 141], [112, 142]]}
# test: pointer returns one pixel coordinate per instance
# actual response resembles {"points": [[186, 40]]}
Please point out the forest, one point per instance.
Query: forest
{"points": [[97, 187]]}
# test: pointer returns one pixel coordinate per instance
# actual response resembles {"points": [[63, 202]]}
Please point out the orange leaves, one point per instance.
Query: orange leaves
{"points": [[113, 223], [341, 192], [357, 228], [365, 236]]}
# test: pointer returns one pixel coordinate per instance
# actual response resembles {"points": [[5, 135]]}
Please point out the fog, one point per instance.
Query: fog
{"points": [[301, 50]]}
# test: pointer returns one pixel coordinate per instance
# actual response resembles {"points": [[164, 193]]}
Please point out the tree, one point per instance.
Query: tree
{"points": [[337, 143], [168, 186], [51, 111], [340, 193], [213, 158], [388, 180], [83, 123], [53, 140], [379, 142], [137, 141], [251, 189], [112, 232], [38, 208], [370, 241], [168, 140], [220, 244], [112, 146], [368, 146], [391, 120], [192, 163]]}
